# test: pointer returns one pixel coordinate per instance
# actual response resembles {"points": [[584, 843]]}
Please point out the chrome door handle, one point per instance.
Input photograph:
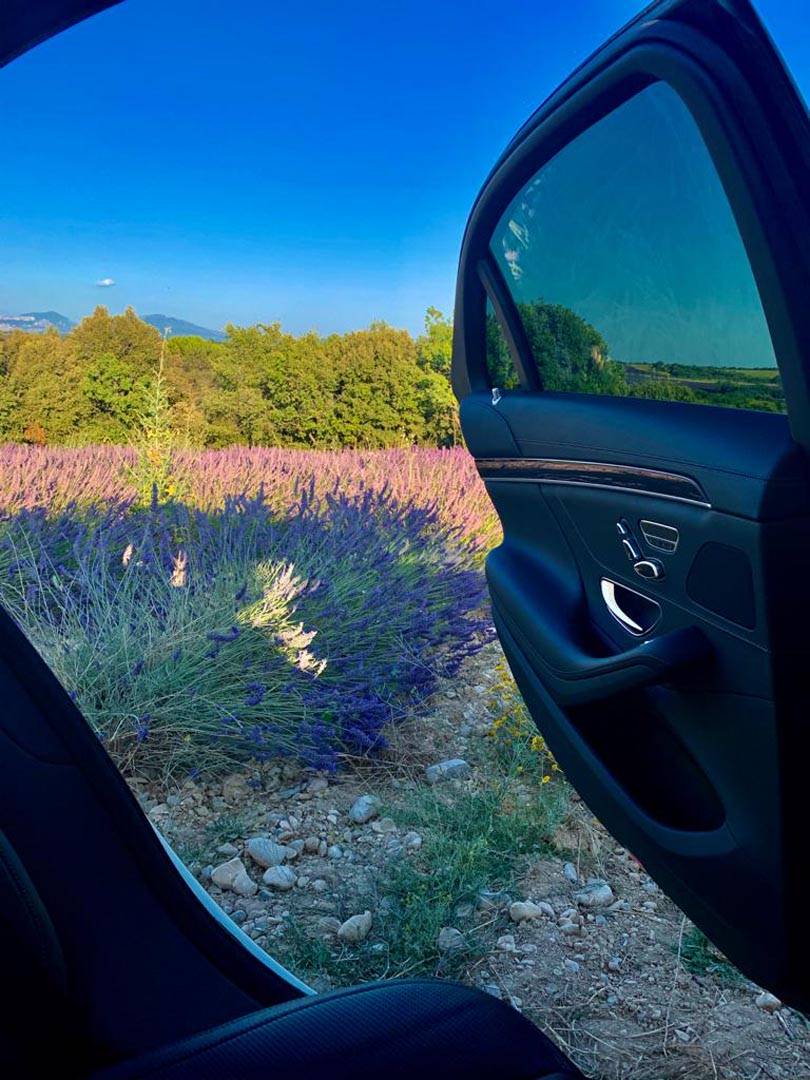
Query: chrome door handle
{"points": [[636, 612]]}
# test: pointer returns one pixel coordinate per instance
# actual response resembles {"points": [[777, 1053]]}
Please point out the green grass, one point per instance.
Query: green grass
{"points": [[700, 957], [472, 840]]}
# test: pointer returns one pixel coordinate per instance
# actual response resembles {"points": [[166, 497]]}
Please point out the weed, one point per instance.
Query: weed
{"points": [[700, 957]]}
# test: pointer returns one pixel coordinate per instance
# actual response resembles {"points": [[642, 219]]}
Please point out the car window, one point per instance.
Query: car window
{"points": [[628, 271], [500, 366]]}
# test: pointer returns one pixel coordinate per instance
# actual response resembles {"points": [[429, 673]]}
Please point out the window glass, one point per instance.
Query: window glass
{"points": [[500, 367], [628, 270]]}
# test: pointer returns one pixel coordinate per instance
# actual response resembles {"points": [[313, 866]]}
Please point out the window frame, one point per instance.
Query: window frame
{"points": [[771, 213]]}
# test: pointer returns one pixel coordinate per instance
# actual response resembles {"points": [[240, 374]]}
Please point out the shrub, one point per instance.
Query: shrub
{"points": [[193, 639]]}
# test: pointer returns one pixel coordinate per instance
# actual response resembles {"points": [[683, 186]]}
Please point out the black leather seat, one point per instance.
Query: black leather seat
{"points": [[408, 1028]]}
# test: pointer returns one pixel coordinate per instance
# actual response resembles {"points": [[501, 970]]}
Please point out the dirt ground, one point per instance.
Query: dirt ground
{"points": [[627, 987]]}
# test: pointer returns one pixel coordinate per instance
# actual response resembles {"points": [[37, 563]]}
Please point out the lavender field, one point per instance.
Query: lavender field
{"points": [[281, 602]]}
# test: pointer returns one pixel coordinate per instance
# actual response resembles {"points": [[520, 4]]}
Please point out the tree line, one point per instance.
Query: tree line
{"points": [[370, 388], [262, 386]]}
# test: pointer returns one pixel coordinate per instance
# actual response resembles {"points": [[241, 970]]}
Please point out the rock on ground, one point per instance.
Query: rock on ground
{"points": [[364, 809], [597, 893], [450, 939], [522, 910], [226, 873], [356, 928], [279, 877], [265, 852], [452, 769]]}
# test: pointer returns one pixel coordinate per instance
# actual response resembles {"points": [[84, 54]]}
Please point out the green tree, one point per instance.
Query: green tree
{"points": [[434, 348], [569, 352], [44, 386], [376, 400], [116, 396], [126, 337]]}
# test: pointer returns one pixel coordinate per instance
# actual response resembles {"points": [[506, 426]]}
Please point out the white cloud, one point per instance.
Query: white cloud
{"points": [[105, 283]]}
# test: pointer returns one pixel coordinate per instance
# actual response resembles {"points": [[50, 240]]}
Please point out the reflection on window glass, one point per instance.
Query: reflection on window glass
{"points": [[628, 270], [500, 368]]}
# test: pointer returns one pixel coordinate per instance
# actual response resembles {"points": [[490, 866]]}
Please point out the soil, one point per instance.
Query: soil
{"points": [[628, 989]]}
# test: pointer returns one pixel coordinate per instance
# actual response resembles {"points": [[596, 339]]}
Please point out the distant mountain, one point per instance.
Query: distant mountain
{"points": [[181, 328], [36, 322]]}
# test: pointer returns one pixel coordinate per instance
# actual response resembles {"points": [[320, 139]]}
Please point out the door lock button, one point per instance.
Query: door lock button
{"points": [[631, 548], [629, 542]]}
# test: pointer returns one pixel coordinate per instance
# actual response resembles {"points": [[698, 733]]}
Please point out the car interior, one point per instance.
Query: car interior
{"points": [[649, 592]]}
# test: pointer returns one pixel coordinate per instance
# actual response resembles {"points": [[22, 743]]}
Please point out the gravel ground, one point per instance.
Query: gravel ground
{"points": [[582, 940]]}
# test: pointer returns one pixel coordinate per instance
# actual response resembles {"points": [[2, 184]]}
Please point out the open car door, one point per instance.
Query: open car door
{"points": [[632, 359]]}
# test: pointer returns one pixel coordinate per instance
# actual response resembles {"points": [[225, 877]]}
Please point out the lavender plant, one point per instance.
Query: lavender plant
{"points": [[194, 639], [32, 476]]}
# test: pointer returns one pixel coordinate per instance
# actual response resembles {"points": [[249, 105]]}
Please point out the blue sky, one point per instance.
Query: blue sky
{"points": [[254, 161]]}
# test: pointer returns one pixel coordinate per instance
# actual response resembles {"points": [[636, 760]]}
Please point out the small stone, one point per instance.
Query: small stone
{"points": [[244, 885], [385, 825], [570, 872], [506, 943], [279, 877], [450, 939], [226, 873], [614, 964], [334, 851], [265, 852], [569, 929], [597, 893], [227, 849], [239, 916], [488, 900], [233, 787], [317, 785], [320, 884], [571, 966], [356, 928], [311, 844], [649, 905], [323, 847], [412, 841], [452, 769], [523, 910], [293, 850], [364, 809], [493, 990], [767, 1002]]}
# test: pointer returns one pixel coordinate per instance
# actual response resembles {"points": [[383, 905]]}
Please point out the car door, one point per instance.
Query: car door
{"points": [[632, 360]]}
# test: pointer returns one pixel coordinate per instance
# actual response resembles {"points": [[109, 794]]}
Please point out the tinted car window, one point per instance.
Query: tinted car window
{"points": [[628, 271]]}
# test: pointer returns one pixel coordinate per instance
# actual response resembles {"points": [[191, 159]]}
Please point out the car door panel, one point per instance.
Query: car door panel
{"points": [[650, 591], [743, 463]]}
